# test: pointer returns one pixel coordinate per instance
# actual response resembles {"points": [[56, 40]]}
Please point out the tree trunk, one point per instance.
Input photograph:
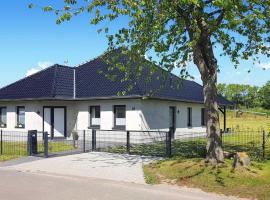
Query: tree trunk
{"points": [[214, 143], [207, 64]]}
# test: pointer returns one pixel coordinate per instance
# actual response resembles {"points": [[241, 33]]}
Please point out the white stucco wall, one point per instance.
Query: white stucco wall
{"points": [[155, 116], [133, 110], [34, 114], [140, 114]]}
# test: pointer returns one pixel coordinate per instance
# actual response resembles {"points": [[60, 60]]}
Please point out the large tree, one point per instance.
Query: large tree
{"points": [[179, 31], [264, 95]]}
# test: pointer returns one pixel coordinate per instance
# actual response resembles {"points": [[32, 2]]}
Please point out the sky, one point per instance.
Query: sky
{"points": [[30, 41]]}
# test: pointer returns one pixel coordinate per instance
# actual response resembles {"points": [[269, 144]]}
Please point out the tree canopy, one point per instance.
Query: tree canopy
{"points": [[169, 30], [176, 32]]}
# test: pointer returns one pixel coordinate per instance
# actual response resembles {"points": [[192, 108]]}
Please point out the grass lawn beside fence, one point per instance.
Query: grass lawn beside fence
{"points": [[14, 150], [250, 183]]}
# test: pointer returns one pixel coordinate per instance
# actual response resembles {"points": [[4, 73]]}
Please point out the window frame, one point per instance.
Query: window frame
{"points": [[119, 127], [18, 125], [91, 117], [189, 117], [203, 117], [2, 124]]}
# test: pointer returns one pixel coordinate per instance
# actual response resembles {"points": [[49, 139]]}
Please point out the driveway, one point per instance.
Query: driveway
{"points": [[117, 167], [21, 185]]}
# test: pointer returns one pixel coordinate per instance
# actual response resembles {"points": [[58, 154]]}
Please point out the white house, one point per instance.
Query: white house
{"points": [[61, 99]]}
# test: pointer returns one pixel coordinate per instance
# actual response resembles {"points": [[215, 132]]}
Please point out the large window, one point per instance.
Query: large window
{"points": [[203, 117], [20, 117], [189, 117], [3, 117], [120, 117], [94, 116]]}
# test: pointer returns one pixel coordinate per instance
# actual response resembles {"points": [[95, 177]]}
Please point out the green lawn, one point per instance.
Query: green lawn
{"points": [[189, 169], [251, 183], [14, 150]]}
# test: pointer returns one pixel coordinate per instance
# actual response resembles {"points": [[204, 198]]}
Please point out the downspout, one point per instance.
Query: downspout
{"points": [[74, 83], [74, 97]]}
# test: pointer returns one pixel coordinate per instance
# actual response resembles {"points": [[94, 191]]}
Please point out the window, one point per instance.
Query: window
{"points": [[203, 117], [95, 116], [120, 117], [189, 117], [20, 117], [3, 117]]}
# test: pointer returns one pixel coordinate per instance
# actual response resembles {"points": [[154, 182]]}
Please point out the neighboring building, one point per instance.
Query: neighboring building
{"points": [[61, 99]]}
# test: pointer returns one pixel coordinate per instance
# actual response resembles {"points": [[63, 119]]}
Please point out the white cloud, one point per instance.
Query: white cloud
{"points": [[41, 65], [264, 66]]}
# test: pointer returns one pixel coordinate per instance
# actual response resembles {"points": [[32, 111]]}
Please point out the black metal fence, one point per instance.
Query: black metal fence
{"points": [[154, 143], [13, 144], [150, 143]]}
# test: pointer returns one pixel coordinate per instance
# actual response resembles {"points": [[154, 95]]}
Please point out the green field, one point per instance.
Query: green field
{"points": [[246, 121]]}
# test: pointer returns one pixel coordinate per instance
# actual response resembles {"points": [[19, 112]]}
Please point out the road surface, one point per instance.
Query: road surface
{"points": [[16, 185]]}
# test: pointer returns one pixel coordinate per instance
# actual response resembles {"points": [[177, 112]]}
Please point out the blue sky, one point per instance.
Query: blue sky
{"points": [[30, 40]]}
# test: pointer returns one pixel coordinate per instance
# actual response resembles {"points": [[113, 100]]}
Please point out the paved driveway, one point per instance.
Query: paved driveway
{"points": [[115, 167]]}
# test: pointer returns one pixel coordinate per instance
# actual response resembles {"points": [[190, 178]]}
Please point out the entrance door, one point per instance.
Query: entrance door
{"points": [[54, 121], [59, 122], [172, 118]]}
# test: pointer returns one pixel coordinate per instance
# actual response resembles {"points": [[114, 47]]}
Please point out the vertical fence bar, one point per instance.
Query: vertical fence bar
{"points": [[169, 143], [263, 144], [84, 141], [94, 142], [128, 142], [29, 144], [46, 145], [1, 142]]}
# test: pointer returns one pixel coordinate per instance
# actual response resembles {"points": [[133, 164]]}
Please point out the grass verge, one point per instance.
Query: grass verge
{"points": [[253, 182]]}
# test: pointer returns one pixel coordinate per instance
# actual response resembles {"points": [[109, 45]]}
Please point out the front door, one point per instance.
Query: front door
{"points": [[172, 119], [54, 121]]}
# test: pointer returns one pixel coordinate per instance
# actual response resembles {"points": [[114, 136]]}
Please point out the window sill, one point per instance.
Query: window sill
{"points": [[94, 127], [122, 128], [3, 126], [20, 127]]}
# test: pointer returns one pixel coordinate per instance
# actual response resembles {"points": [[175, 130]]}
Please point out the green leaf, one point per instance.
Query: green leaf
{"points": [[30, 5], [47, 8]]}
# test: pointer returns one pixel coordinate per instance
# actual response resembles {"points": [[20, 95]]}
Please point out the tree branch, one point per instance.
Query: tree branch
{"points": [[215, 12], [220, 17]]}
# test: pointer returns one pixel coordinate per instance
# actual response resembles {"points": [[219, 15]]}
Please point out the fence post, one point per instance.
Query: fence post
{"points": [[1, 142], [128, 142], [84, 141], [29, 144], [263, 144], [46, 145], [94, 139], [169, 143], [221, 138]]}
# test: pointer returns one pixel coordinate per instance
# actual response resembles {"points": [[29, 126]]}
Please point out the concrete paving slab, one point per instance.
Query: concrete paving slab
{"points": [[118, 167]]}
